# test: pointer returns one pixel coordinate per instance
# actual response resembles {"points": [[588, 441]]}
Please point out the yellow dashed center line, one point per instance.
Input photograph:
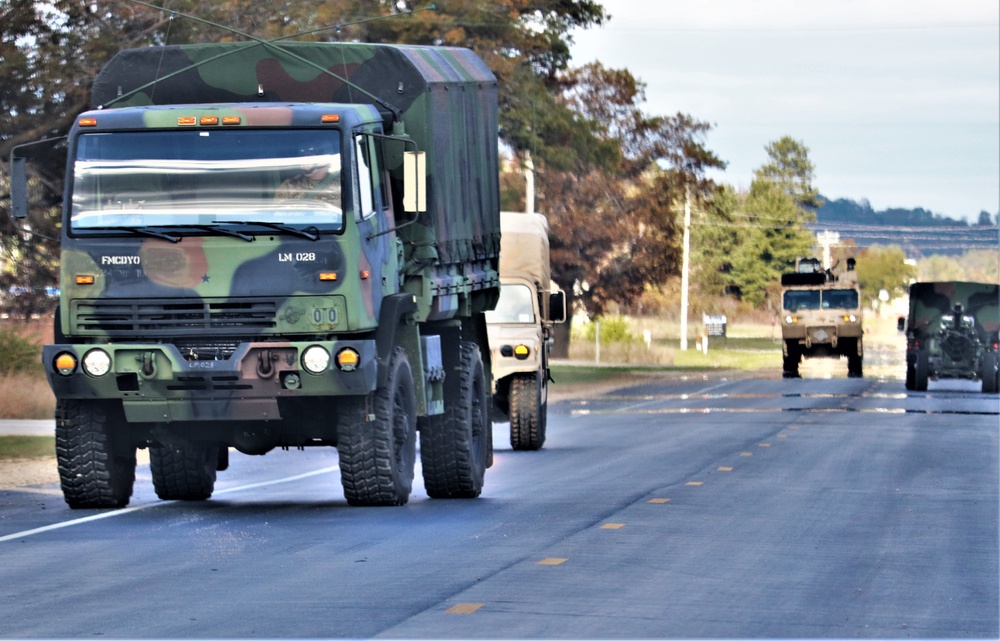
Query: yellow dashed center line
{"points": [[725, 469], [464, 608], [746, 453], [765, 445], [658, 501], [695, 483], [612, 526], [552, 561]]}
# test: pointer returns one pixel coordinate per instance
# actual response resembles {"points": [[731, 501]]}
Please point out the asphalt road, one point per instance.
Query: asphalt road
{"points": [[707, 508]]}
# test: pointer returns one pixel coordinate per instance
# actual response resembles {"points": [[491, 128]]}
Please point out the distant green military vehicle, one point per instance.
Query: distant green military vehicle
{"points": [[952, 332], [274, 245], [821, 316], [520, 328]]}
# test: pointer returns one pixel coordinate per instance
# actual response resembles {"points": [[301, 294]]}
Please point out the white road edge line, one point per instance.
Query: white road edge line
{"points": [[129, 510]]}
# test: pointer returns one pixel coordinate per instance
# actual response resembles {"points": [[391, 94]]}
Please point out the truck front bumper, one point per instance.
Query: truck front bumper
{"points": [[156, 383]]}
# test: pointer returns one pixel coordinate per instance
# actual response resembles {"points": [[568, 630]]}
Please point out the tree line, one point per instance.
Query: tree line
{"points": [[611, 178]]}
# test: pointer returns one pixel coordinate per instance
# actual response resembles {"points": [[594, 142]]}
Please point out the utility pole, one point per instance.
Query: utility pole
{"points": [[685, 264]]}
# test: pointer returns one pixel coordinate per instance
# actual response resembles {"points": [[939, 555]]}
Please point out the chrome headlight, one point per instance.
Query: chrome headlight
{"points": [[96, 362], [315, 359]]}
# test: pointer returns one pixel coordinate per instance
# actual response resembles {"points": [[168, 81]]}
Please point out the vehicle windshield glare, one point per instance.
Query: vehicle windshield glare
{"points": [[515, 306], [797, 299], [204, 178], [840, 299]]}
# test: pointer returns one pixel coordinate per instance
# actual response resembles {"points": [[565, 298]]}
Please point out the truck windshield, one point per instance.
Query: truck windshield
{"points": [[514, 306], [840, 299], [797, 299], [201, 178]]}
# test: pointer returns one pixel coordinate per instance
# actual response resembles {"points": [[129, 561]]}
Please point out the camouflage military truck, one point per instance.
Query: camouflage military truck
{"points": [[520, 328], [821, 316], [952, 332], [278, 245]]}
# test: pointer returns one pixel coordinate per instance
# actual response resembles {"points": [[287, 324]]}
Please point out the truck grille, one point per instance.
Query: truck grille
{"points": [[156, 317]]}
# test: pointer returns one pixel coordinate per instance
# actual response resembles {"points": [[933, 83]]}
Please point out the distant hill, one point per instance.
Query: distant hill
{"points": [[918, 231]]}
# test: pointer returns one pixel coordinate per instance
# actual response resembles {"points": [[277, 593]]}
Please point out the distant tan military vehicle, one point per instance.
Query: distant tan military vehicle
{"points": [[520, 328], [821, 316]]}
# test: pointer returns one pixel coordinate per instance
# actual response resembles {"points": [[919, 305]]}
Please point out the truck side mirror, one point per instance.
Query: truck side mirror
{"points": [[557, 307], [901, 323], [18, 187], [414, 182]]}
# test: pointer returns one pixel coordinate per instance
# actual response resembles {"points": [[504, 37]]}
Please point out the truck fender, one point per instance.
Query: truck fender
{"points": [[392, 315]]}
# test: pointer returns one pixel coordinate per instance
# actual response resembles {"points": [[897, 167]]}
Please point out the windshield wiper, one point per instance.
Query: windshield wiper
{"points": [[137, 230], [223, 230], [311, 235]]}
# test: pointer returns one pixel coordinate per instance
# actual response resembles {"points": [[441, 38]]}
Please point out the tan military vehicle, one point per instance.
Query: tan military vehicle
{"points": [[520, 328], [821, 316]]}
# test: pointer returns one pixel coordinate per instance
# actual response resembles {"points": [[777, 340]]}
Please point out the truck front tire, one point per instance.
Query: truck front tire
{"points": [[183, 473], [378, 452], [790, 361], [96, 468], [454, 446], [527, 412]]}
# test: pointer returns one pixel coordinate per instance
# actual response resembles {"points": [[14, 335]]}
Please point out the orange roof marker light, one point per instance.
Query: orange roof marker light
{"points": [[84, 279], [231, 120], [209, 120], [329, 118], [87, 122], [187, 121], [324, 276]]}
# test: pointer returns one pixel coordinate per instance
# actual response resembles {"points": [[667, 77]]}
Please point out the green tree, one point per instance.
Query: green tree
{"points": [[790, 168], [938, 267], [774, 237], [884, 268]]}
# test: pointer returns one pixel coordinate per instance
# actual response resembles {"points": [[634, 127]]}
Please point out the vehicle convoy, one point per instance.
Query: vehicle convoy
{"points": [[278, 245], [520, 328], [821, 316], [952, 332]]}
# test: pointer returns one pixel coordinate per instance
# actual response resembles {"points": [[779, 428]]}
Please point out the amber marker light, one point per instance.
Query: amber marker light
{"points": [[365, 274], [65, 364], [348, 359], [231, 120], [209, 120], [521, 351], [327, 276], [187, 121], [84, 279], [87, 122], [329, 118]]}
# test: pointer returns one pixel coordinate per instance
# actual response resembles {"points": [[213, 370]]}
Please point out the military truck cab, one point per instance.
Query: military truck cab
{"points": [[821, 316], [253, 257], [520, 328]]}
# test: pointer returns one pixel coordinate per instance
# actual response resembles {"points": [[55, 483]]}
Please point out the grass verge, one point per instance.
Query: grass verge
{"points": [[22, 447]]}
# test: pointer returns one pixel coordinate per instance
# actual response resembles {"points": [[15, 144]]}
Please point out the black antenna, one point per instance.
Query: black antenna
{"points": [[270, 44]]}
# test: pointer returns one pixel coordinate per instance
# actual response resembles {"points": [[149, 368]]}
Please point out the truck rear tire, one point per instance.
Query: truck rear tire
{"points": [[183, 473], [96, 469], [527, 412], [988, 373], [921, 370], [378, 453], [454, 446]]}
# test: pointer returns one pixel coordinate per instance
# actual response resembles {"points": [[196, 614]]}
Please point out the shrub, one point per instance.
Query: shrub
{"points": [[17, 353]]}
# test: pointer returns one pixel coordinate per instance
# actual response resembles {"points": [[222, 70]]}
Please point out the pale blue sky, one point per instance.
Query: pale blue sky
{"points": [[898, 101]]}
